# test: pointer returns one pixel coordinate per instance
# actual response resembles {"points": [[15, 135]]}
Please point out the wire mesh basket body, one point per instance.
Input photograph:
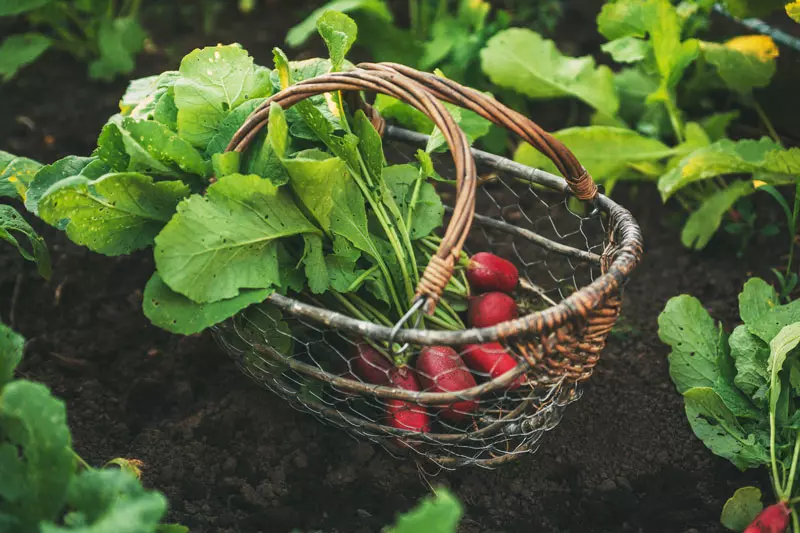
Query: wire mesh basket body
{"points": [[572, 267]]}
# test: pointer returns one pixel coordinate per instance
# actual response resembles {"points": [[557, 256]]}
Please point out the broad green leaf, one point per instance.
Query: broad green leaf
{"points": [[226, 241], [12, 221], [299, 34], [772, 163], [627, 49], [751, 355], [15, 7], [34, 424], [370, 145], [793, 10], [767, 326], [741, 508], [178, 314], [119, 40], [318, 184], [688, 328], [214, 81], [110, 500], [658, 20], [606, 152], [20, 50], [339, 33], [127, 144], [230, 124], [717, 427], [11, 346], [226, 163], [703, 223], [114, 214], [740, 404], [16, 173], [145, 97], [265, 158], [439, 513], [784, 342], [756, 299], [48, 175], [744, 62], [521, 60]]}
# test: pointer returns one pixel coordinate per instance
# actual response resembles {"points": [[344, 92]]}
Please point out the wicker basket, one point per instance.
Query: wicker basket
{"points": [[572, 265]]}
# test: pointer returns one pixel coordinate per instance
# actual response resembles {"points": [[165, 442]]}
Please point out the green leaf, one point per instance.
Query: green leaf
{"points": [[36, 475], [784, 342], [20, 50], [742, 68], [772, 163], [127, 144], [741, 508], [49, 175], [428, 211], [214, 81], [688, 328], [16, 173], [12, 221], [227, 240], [627, 49], [704, 222], [114, 214], [11, 347], [147, 99], [751, 355], [767, 326], [110, 500], [522, 60], [178, 314], [318, 183], [315, 266], [717, 427], [15, 7], [439, 513], [606, 152], [756, 299], [339, 33], [299, 34], [230, 124], [119, 41], [226, 163]]}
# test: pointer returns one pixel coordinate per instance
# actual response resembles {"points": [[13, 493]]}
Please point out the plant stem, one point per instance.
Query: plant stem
{"points": [[357, 300], [793, 227], [81, 461], [776, 481], [674, 118], [795, 521], [456, 319], [767, 122], [360, 279], [793, 469]]}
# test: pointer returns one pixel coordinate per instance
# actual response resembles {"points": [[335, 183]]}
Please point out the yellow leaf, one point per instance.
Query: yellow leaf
{"points": [[760, 46], [758, 183], [793, 10]]}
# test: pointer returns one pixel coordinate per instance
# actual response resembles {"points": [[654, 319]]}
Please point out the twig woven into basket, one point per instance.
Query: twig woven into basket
{"points": [[572, 268]]}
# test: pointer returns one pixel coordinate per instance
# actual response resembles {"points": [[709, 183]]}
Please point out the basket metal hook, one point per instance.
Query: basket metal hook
{"points": [[416, 306]]}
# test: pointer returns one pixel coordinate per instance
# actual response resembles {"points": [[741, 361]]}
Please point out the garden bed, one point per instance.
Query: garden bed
{"points": [[232, 457]]}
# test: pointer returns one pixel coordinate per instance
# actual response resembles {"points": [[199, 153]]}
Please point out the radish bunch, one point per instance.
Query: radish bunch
{"points": [[440, 369]]}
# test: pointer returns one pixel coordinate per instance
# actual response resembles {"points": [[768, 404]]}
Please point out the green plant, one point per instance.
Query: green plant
{"points": [[438, 513], [653, 119], [311, 208], [46, 487], [103, 33], [741, 391]]}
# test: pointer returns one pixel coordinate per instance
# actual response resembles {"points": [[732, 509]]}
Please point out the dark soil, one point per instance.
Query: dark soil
{"points": [[232, 457]]}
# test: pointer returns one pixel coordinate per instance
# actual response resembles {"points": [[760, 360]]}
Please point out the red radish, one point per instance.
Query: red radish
{"points": [[370, 365], [442, 370], [491, 308], [773, 519], [492, 359], [488, 272], [402, 414]]}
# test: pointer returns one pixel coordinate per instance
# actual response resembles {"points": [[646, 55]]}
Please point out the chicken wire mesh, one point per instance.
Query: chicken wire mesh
{"points": [[557, 248]]}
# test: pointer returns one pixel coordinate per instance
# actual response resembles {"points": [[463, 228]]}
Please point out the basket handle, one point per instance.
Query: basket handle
{"points": [[440, 268], [580, 182]]}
